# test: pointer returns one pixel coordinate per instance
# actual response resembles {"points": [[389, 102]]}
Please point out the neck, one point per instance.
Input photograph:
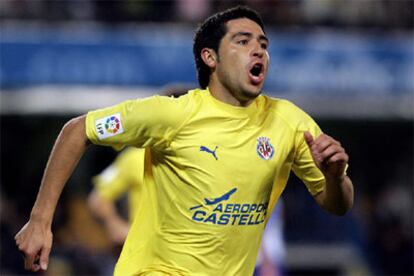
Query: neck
{"points": [[222, 94]]}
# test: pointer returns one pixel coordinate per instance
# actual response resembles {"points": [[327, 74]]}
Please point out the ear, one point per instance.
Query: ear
{"points": [[209, 57]]}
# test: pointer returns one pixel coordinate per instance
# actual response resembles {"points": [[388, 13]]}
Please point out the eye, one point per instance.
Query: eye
{"points": [[243, 42], [264, 45]]}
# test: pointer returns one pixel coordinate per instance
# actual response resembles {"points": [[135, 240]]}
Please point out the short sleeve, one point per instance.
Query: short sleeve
{"points": [[150, 122], [303, 166]]}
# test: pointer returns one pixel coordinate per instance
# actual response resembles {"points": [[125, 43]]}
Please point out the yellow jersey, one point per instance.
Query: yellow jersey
{"points": [[212, 174], [124, 176]]}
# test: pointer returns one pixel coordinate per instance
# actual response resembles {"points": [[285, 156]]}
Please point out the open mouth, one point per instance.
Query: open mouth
{"points": [[256, 73], [256, 69]]}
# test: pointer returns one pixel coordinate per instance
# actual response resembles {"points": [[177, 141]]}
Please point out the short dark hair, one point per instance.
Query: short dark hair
{"points": [[210, 33]]}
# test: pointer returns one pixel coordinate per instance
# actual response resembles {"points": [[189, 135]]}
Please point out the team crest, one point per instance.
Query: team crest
{"points": [[264, 148]]}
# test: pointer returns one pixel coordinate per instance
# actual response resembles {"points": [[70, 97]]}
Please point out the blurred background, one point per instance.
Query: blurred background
{"points": [[350, 64]]}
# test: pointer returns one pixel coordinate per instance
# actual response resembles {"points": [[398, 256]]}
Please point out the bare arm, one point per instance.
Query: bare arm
{"points": [[35, 238], [331, 158], [105, 210]]}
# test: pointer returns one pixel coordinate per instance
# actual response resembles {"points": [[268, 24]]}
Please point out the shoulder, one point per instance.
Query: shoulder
{"points": [[287, 110], [283, 106], [180, 104], [159, 110]]}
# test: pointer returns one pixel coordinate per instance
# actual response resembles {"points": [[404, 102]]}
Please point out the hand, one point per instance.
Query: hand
{"points": [[328, 154], [35, 241]]}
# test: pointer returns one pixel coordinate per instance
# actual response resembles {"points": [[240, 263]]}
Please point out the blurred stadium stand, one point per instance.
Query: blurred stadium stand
{"points": [[350, 64], [326, 72]]}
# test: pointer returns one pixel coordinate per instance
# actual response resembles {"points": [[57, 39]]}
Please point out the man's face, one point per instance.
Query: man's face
{"points": [[243, 59]]}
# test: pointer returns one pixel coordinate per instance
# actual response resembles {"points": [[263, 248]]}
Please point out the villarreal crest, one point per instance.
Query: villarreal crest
{"points": [[264, 148]]}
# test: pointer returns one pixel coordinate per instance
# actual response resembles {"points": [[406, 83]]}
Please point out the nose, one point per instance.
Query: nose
{"points": [[257, 50]]}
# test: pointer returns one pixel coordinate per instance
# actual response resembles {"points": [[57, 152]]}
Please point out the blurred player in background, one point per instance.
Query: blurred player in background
{"points": [[122, 177], [218, 159], [125, 176], [271, 258]]}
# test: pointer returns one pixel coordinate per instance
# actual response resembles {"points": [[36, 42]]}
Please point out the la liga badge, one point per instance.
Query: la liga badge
{"points": [[109, 126], [264, 148]]}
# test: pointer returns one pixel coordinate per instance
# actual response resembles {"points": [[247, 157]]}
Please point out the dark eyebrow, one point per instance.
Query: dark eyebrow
{"points": [[242, 34], [261, 37]]}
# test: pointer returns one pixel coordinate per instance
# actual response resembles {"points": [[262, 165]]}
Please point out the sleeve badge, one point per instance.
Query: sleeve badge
{"points": [[109, 126]]}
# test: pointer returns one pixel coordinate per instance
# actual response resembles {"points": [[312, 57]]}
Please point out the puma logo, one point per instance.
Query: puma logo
{"points": [[212, 152]]}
